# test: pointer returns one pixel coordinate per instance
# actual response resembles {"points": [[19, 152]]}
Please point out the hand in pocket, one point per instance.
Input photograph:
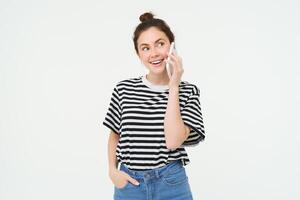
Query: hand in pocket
{"points": [[120, 179]]}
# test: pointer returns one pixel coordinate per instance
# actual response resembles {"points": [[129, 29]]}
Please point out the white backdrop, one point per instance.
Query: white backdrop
{"points": [[59, 61]]}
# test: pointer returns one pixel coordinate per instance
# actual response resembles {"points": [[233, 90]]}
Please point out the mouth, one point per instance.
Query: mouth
{"points": [[157, 63]]}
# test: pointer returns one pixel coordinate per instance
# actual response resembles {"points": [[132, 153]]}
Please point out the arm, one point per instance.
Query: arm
{"points": [[112, 146], [176, 132], [119, 178]]}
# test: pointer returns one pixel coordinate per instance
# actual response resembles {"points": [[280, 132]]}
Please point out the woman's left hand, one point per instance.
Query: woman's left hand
{"points": [[176, 63]]}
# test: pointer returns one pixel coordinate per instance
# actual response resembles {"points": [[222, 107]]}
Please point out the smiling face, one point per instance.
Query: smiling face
{"points": [[153, 48]]}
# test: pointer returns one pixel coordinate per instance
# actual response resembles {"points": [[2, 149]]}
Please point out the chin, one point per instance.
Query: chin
{"points": [[158, 71]]}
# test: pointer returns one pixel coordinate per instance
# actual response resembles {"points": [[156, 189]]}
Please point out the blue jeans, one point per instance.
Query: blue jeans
{"points": [[164, 183]]}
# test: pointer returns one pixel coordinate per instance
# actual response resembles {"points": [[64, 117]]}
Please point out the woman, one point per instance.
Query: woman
{"points": [[152, 118]]}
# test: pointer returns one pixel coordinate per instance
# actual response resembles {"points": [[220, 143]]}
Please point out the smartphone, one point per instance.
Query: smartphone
{"points": [[168, 65]]}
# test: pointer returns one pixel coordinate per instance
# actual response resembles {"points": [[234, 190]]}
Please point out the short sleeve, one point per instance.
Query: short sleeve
{"points": [[192, 116], [112, 118]]}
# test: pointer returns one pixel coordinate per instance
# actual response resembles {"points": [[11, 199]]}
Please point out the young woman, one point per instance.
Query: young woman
{"points": [[152, 118]]}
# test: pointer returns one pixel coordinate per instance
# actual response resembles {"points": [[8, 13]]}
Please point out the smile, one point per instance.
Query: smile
{"points": [[157, 62]]}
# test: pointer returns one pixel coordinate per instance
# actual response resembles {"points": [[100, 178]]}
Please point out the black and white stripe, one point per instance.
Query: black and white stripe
{"points": [[136, 113]]}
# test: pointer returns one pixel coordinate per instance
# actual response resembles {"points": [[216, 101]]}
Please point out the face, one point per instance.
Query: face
{"points": [[153, 48]]}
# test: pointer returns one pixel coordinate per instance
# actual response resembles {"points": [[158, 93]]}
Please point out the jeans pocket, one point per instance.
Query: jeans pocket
{"points": [[175, 176], [124, 187]]}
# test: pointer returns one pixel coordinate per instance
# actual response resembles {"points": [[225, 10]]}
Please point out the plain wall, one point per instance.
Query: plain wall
{"points": [[59, 61]]}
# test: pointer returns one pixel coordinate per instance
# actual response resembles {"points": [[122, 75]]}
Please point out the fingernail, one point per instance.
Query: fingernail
{"points": [[137, 183]]}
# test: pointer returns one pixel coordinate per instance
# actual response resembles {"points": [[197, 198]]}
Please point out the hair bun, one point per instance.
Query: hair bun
{"points": [[146, 16]]}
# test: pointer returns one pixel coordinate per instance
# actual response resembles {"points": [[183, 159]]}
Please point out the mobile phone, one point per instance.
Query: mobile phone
{"points": [[168, 65]]}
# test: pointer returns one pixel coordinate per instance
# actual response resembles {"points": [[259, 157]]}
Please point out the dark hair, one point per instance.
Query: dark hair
{"points": [[148, 21]]}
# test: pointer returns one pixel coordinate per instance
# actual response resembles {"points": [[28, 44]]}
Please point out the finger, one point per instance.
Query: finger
{"points": [[176, 60], [179, 59], [176, 64], [132, 180], [174, 57], [173, 65], [165, 60]]}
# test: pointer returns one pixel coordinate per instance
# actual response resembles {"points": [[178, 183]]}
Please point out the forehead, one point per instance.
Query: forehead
{"points": [[151, 35]]}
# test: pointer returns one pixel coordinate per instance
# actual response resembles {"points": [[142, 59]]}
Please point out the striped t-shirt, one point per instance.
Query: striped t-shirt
{"points": [[136, 113]]}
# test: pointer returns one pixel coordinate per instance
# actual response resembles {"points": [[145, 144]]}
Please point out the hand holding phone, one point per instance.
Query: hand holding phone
{"points": [[168, 65]]}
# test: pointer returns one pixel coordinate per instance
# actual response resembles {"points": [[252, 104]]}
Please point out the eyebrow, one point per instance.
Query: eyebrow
{"points": [[154, 42]]}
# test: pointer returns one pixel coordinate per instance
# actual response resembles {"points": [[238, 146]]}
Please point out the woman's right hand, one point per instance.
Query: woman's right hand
{"points": [[120, 178]]}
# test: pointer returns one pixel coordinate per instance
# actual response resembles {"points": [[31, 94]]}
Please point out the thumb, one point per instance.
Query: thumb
{"points": [[132, 180]]}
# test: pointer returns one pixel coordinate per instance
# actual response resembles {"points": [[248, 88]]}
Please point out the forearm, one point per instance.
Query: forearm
{"points": [[112, 147], [174, 127]]}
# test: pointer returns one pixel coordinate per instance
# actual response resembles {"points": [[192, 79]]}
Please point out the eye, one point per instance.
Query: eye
{"points": [[161, 44], [145, 48]]}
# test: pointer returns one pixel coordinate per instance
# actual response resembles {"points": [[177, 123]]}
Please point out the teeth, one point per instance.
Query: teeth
{"points": [[156, 62]]}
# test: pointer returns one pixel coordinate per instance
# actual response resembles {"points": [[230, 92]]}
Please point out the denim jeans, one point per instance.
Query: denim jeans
{"points": [[169, 182]]}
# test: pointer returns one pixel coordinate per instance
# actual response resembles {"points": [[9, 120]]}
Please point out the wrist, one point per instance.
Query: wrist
{"points": [[112, 170], [173, 89], [112, 173]]}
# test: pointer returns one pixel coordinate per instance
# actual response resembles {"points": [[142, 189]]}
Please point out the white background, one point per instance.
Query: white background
{"points": [[59, 61]]}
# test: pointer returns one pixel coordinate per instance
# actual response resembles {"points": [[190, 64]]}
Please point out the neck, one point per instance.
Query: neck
{"points": [[158, 79]]}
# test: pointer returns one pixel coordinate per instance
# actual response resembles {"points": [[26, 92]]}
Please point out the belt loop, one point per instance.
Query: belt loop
{"points": [[135, 173], [157, 173]]}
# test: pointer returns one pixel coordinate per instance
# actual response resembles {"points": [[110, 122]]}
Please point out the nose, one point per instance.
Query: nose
{"points": [[154, 53]]}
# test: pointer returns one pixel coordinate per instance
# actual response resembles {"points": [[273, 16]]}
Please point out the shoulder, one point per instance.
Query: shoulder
{"points": [[190, 87], [132, 81]]}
